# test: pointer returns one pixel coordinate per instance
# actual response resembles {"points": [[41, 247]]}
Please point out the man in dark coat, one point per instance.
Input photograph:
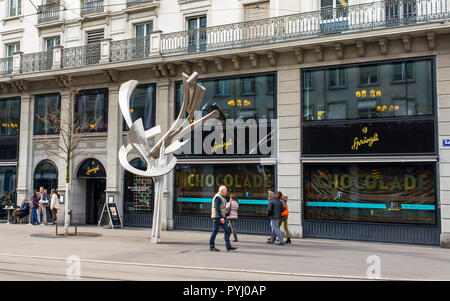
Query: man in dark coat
{"points": [[274, 212]]}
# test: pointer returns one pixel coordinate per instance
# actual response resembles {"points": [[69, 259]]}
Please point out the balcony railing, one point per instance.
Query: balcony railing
{"points": [[81, 56], [49, 12], [130, 49], [39, 61], [131, 3], [90, 7], [363, 17], [6, 66], [352, 19]]}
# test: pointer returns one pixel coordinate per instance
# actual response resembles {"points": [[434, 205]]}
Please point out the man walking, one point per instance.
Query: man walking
{"points": [[218, 215], [43, 201], [274, 212]]}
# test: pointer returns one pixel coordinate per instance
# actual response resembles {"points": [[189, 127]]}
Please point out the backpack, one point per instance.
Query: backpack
{"points": [[283, 205]]}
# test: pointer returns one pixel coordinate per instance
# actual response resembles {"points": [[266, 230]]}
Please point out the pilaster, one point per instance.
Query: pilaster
{"points": [[25, 168]]}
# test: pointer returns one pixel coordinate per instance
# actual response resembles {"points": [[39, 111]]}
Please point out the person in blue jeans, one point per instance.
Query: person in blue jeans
{"points": [[35, 205], [274, 212], [218, 215]]}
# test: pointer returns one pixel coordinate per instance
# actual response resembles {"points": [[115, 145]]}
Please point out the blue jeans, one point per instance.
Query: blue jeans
{"points": [[215, 230], [34, 217], [275, 231]]}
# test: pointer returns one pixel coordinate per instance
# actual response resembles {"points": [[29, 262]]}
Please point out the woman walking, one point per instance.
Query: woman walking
{"points": [[54, 204], [34, 205], [284, 218], [233, 207]]}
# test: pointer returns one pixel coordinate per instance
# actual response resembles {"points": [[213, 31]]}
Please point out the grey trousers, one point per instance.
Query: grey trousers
{"points": [[276, 231], [232, 225]]}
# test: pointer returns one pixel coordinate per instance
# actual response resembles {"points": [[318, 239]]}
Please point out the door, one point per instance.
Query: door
{"points": [[95, 199]]}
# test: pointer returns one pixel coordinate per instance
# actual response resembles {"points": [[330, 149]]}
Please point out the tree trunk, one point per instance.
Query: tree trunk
{"points": [[68, 201]]}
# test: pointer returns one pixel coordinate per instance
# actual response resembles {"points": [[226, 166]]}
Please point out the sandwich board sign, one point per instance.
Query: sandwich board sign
{"points": [[113, 213]]}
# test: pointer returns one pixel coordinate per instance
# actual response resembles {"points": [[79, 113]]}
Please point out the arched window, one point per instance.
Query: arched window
{"points": [[138, 190], [45, 175]]}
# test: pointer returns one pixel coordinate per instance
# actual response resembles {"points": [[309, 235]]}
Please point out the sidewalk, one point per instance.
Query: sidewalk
{"points": [[190, 249]]}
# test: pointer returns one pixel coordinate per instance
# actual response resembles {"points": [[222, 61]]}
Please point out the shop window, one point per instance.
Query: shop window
{"points": [[8, 183], [337, 110], [336, 78], [196, 186], [223, 88], [246, 99], [368, 75], [9, 116], [403, 72], [139, 194], [248, 86], [143, 105], [47, 113], [91, 110], [395, 193], [308, 83], [45, 175], [369, 91]]}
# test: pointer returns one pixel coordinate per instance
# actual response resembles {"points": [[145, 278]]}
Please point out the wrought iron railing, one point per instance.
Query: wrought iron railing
{"points": [[350, 19], [6, 65], [35, 62], [130, 49], [362, 17], [81, 56], [131, 3], [90, 7], [49, 12]]}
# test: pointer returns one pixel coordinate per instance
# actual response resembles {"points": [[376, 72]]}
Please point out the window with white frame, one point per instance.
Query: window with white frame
{"points": [[333, 9], [10, 50], [51, 42], [196, 27], [143, 30], [15, 8]]}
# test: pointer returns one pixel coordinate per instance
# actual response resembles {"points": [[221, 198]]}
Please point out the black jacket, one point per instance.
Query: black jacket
{"points": [[274, 209]]}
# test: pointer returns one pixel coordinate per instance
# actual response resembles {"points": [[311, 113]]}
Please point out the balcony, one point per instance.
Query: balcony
{"points": [[381, 15], [6, 66], [90, 7], [350, 19], [131, 3], [49, 12]]}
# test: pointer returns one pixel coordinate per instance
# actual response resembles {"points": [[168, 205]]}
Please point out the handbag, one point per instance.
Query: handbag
{"points": [[228, 210]]}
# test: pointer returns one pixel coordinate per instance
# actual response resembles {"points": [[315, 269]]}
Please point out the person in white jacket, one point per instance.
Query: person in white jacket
{"points": [[54, 204]]}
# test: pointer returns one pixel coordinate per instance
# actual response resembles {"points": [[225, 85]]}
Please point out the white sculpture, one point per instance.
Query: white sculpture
{"points": [[156, 157]]}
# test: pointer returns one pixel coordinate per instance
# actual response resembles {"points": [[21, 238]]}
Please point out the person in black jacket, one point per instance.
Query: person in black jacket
{"points": [[274, 212]]}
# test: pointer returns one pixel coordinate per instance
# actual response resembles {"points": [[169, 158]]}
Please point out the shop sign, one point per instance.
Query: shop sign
{"points": [[371, 137], [92, 168]]}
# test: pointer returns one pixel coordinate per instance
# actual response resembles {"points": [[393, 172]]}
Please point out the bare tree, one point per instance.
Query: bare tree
{"points": [[71, 131]]}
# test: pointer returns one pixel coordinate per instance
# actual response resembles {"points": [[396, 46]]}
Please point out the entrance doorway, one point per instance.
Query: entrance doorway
{"points": [[95, 199]]}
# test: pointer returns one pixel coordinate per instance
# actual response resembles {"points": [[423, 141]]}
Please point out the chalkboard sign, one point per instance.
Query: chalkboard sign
{"points": [[113, 215]]}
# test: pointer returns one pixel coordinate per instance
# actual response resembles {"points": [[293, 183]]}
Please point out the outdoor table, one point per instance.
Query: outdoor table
{"points": [[8, 208]]}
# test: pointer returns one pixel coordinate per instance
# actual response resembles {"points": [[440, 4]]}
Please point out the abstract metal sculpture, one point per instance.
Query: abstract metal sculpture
{"points": [[156, 157]]}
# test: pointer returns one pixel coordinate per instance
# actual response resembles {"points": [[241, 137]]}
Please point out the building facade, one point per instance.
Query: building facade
{"points": [[354, 96]]}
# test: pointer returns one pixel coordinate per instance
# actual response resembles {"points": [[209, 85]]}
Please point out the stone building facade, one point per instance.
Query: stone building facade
{"points": [[326, 74]]}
